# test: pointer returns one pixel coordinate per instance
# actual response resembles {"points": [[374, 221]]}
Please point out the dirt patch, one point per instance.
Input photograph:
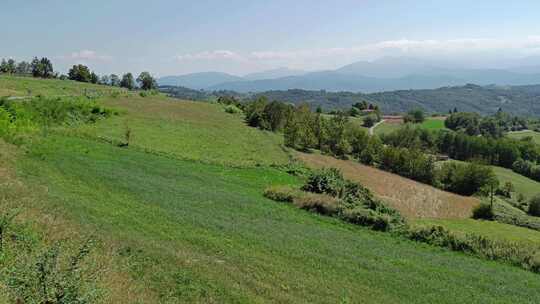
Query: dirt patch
{"points": [[412, 199]]}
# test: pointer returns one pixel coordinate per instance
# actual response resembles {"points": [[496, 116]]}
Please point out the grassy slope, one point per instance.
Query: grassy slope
{"points": [[492, 230], [431, 123], [204, 233], [412, 199], [191, 130], [522, 134], [196, 232], [522, 184], [24, 86]]}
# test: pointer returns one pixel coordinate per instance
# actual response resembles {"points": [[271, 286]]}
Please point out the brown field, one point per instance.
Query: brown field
{"points": [[412, 199]]}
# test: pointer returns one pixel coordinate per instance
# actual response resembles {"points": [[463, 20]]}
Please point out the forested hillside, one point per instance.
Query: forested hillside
{"points": [[519, 100]]}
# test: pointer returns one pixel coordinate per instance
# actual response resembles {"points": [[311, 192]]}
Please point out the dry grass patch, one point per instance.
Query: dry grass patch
{"points": [[412, 199]]}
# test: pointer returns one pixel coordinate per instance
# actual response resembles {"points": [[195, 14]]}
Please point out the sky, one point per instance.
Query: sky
{"points": [[173, 37]]}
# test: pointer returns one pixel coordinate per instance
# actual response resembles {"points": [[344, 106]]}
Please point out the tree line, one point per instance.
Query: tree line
{"points": [[43, 68], [341, 137]]}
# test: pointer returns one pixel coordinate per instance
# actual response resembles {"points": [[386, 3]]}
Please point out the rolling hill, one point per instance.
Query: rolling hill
{"points": [[178, 216]]}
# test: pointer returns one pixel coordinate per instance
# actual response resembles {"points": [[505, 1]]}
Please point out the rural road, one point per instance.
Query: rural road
{"points": [[372, 129]]}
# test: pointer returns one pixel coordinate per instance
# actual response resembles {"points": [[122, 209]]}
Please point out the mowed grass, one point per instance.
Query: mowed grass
{"points": [[522, 184], [385, 128], [411, 198], [490, 229], [28, 86], [195, 232], [431, 123], [522, 134], [190, 130]]}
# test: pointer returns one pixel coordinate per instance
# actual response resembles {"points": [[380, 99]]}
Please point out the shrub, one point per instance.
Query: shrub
{"points": [[366, 217], [327, 181], [232, 109], [320, 203], [534, 206], [281, 193], [483, 211]]}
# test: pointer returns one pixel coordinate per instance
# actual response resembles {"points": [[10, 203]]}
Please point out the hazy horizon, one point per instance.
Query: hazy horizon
{"points": [[241, 37]]}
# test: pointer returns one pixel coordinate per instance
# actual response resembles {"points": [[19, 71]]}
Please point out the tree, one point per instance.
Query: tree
{"points": [[146, 81], [8, 67], [94, 78], [415, 116], [80, 73], [42, 68], [369, 121], [114, 80], [23, 68], [534, 206], [299, 133], [127, 81], [105, 80]]}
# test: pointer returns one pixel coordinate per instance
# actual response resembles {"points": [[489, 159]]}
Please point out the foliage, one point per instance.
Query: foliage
{"points": [[42, 68], [483, 211], [232, 109], [80, 73], [415, 116], [281, 193], [534, 206], [127, 81], [146, 81], [465, 179]]}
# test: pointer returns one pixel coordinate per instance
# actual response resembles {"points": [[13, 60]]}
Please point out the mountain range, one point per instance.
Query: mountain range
{"points": [[385, 74]]}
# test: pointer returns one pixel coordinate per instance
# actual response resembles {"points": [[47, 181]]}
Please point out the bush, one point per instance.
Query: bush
{"points": [[320, 203], [232, 109], [366, 217], [325, 181], [281, 193], [483, 211], [534, 206]]}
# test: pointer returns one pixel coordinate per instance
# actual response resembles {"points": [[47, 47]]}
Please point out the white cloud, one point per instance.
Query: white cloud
{"points": [[209, 55], [86, 55]]}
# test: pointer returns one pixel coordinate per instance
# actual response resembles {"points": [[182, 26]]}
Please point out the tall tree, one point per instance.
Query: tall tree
{"points": [[80, 73], [114, 80], [127, 81], [146, 81]]}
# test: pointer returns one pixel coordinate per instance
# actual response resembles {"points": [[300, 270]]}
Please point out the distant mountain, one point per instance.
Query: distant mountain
{"points": [[385, 74], [273, 74], [334, 81], [198, 80]]}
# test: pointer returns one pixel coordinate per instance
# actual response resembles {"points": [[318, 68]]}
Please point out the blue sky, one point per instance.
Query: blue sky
{"points": [[176, 37]]}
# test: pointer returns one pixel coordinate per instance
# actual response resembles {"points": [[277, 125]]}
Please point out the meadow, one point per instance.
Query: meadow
{"points": [[527, 133], [181, 217], [522, 184], [196, 232], [431, 123], [18, 86]]}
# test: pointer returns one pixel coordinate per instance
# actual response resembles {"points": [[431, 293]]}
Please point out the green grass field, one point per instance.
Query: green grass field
{"points": [[181, 211], [28, 86], [522, 134], [433, 124], [190, 130], [429, 123], [204, 233], [493, 230], [522, 184]]}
